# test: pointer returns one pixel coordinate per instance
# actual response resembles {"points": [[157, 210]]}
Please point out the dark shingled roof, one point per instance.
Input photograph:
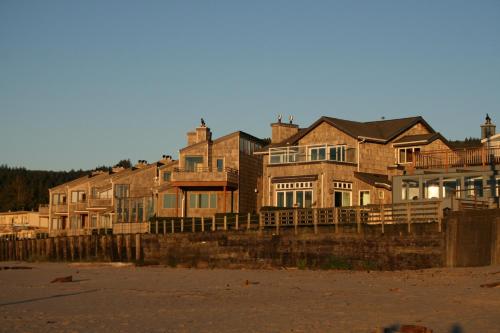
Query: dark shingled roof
{"points": [[374, 179], [380, 130]]}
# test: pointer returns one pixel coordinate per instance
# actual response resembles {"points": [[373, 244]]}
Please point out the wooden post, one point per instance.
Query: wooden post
{"points": [[156, 225], [119, 246], [277, 222], [248, 221], [202, 224], [173, 226], [193, 224], [80, 247], [182, 225], [128, 247], [164, 227], [358, 219], [72, 247], [315, 220], [408, 216], [237, 222], [295, 221], [225, 222], [336, 219], [261, 223], [213, 223], [382, 217], [137, 247]]}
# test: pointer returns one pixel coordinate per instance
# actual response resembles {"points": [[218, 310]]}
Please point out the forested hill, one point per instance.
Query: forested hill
{"points": [[22, 189]]}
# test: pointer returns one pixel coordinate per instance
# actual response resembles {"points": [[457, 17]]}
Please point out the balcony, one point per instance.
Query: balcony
{"points": [[43, 210], [201, 176], [60, 208], [100, 202], [79, 206], [458, 158], [312, 154]]}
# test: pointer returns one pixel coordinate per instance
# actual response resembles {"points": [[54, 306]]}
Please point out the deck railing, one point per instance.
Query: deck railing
{"points": [[442, 159], [205, 174], [312, 153]]}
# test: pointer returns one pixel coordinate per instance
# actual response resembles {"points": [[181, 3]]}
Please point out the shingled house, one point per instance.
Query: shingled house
{"points": [[212, 176], [336, 162]]}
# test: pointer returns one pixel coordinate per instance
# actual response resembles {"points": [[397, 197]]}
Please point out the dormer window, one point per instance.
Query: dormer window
{"points": [[407, 155], [166, 176]]}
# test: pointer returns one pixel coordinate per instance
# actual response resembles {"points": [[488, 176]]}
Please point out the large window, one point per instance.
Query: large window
{"points": [[59, 199], [337, 153], [298, 195], [431, 188], [410, 190], [77, 196], [451, 187], [169, 200], [473, 186], [407, 155], [122, 190], [193, 163], [203, 200], [317, 154]]}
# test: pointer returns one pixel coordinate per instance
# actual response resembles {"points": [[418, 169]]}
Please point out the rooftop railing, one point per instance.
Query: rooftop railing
{"points": [[205, 174], [457, 158], [312, 153]]}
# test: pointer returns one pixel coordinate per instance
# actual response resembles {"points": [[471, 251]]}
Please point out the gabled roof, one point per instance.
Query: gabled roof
{"points": [[419, 139], [381, 131]]}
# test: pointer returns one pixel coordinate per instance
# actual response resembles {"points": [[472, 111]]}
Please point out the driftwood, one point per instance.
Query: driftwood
{"points": [[63, 279], [490, 285], [404, 329]]}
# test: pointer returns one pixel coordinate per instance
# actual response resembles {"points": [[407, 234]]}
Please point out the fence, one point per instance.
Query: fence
{"points": [[403, 213], [222, 222]]}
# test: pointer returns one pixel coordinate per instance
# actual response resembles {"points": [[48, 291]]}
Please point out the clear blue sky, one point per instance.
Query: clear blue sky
{"points": [[86, 83]]}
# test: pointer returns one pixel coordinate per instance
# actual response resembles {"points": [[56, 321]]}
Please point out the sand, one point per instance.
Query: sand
{"points": [[125, 298]]}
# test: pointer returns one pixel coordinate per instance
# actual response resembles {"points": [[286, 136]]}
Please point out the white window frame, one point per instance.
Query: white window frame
{"points": [[398, 153], [369, 197]]}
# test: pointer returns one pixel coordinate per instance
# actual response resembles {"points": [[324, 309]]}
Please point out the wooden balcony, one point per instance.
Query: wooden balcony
{"points": [[100, 203], [458, 158], [43, 210], [205, 177], [79, 206], [60, 208]]}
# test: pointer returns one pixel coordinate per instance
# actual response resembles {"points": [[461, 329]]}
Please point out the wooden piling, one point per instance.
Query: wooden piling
{"points": [[138, 247]]}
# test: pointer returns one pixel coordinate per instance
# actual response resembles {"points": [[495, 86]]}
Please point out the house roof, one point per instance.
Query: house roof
{"points": [[420, 139], [381, 131], [374, 179]]}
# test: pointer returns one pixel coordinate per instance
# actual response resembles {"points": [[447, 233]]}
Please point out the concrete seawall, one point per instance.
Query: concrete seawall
{"points": [[466, 239]]}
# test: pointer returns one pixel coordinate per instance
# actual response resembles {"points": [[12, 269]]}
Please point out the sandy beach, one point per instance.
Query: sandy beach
{"points": [[125, 298]]}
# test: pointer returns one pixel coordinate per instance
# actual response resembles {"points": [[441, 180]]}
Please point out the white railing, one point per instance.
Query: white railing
{"points": [[312, 153]]}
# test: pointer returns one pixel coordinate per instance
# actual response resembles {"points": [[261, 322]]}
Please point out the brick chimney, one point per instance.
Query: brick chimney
{"points": [[282, 131], [202, 133]]}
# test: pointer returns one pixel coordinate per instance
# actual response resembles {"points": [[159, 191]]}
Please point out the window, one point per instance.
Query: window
{"points": [[473, 186], [193, 163], [294, 198], [203, 200], [342, 185], [220, 165], [317, 154], [169, 200], [166, 176], [431, 188], [77, 196], [451, 188], [59, 198], [342, 198], [406, 155], [410, 190], [122, 190], [364, 198], [337, 153]]}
